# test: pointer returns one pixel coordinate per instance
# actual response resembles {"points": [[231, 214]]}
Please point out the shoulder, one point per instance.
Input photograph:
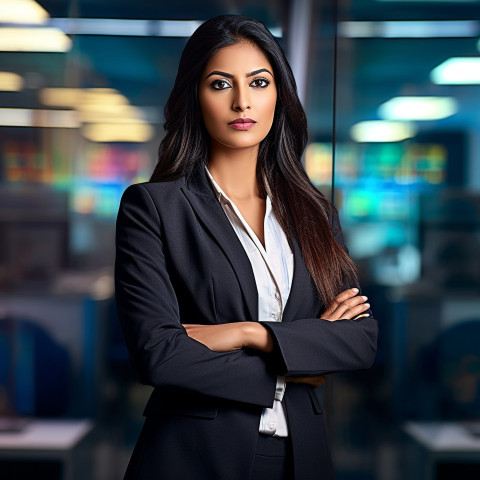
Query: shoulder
{"points": [[155, 189], [156, 192], [150, 198]]}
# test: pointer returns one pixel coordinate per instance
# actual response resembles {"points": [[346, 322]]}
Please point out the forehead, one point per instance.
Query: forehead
{"points": [[242, 57]]}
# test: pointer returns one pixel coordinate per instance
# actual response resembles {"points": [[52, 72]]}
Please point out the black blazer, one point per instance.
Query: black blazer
{"points": [[179, 261]]}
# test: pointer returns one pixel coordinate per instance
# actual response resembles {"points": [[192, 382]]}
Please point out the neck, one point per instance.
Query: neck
{"points": [[235, 170]]}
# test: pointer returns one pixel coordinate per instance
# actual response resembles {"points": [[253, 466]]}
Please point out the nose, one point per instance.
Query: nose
{"points": [[241, 100]]}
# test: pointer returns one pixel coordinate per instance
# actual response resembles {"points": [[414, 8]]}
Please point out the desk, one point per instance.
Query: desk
{"points": [[60, 441], [441, 442]]}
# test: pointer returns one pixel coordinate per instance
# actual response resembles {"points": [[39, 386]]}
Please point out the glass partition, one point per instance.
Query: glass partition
{"points": [[406, 180]]}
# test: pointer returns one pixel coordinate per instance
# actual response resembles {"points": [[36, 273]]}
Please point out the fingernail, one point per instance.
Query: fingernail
{"points": [[364, 297], [367, 305], [355, 290]]}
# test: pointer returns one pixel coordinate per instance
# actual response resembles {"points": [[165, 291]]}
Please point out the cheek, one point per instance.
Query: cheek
{"points": [[269, 102], [211, 110], [268, 107]]}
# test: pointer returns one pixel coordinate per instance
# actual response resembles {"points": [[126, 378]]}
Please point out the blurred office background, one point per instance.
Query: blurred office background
{"points": [[392, 93]]}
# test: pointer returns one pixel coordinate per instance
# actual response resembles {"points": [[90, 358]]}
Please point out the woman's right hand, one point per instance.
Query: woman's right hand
{"points": [[316, 381], [348, 305]]}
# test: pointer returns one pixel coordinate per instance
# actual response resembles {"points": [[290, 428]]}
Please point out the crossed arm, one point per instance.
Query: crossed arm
{"points": [[348, 305], [166, 355]]}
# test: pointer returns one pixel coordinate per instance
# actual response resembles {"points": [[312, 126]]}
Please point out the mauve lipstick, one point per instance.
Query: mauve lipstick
{"points": [[242, 123]]}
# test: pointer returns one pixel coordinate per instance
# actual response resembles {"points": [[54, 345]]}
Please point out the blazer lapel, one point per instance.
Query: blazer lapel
{"points": [[202, 198]]}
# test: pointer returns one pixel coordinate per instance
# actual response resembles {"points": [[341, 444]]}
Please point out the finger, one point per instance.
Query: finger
{"points": [[340, 298], [361, 316], [349, 304], [355, 311], [345, 295]]}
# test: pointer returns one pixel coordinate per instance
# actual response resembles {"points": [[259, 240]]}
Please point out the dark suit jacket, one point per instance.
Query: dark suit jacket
{"points": [[180, 261]]}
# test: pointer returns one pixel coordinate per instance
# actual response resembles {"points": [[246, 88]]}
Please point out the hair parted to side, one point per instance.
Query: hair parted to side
{"points": [[300, 208]]}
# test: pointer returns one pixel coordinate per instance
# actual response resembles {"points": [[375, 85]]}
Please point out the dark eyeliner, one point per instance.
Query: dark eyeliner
{"points": [[266, 80], [216, 82]]}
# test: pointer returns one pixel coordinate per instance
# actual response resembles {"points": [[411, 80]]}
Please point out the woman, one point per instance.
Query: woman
{"points": [[234, 290]]}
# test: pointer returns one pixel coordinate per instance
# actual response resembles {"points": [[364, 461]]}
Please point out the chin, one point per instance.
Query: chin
{"points": [[243, 145], [238, 143]]}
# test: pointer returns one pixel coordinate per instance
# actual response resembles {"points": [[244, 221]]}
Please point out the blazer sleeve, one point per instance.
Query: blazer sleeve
{"points": [[312, 346], [160, 350]]}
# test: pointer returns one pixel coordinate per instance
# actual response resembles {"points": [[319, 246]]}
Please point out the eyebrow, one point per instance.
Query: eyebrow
{"points": [[229, 75]]}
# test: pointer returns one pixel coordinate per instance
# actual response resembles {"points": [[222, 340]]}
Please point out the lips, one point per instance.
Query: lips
{"points": [[242, 123]]}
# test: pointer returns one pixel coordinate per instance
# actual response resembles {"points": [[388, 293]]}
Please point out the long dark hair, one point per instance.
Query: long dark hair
{"points": [[302, 211]]}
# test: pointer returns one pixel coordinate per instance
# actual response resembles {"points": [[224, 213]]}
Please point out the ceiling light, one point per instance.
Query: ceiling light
{"points": [[100, 109], [126, 27], [10, 82], [60, 97], [410, 29], [21, 11], [381, 131], [118, 114], [418, 108], [109, 114], [103, 132], [23, 117], [33, 39], [103, 96], [457, 71], [133, 27], [82, 97], [95, 105]]}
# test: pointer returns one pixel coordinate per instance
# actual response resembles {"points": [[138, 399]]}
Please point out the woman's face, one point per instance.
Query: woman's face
{"points": [[237, 96]]}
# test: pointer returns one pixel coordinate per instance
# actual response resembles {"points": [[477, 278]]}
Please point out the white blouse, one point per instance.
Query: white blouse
{"points": [[272, 267]]}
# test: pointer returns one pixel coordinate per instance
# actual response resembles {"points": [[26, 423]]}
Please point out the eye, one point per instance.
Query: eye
{"points": [[220, 85], [260, 83]]}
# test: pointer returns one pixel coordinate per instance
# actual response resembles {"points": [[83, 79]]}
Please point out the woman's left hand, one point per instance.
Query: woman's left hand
{"points": [[347, 305], [227, 337]]}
